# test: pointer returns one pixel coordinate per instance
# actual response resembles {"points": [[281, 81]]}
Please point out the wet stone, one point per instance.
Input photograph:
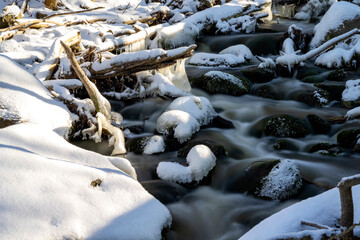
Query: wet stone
{"points": [[216, 148], [339, 75], [318, 125], [136, 145], [265, 91], [315, 98], [286, 126], [258, 75], [165, 192], [335, 89], [348, 138], [328, 149], [284, 144]]}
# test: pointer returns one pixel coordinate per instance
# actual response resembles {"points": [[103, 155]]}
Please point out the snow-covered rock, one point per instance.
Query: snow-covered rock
{"points": [[200, 159], [155, 144], [351, 94], [239, 50], [182, 123], [313, 9], [216, 60], [198, 107], [340, 18]]}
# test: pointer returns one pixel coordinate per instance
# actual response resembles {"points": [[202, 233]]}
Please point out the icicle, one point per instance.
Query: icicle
{"points": [[177, 75]]}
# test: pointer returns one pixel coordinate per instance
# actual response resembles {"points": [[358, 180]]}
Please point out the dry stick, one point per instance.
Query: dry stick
{"points": [[345, 232], [315, 225], [102, 105], [126, 8], [74, 12]]}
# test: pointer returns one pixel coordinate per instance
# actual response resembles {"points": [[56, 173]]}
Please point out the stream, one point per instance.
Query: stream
{"points": [[212, 209]]}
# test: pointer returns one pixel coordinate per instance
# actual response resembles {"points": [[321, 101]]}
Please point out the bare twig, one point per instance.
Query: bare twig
{"points": [[74, 12], [315, 225]]}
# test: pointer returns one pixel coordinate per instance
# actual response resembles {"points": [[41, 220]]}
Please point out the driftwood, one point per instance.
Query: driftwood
{"points": [[163, 59]]}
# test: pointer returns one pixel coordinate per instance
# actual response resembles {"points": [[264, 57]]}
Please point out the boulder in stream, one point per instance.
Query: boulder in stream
{"points": [[318, 125], [315, 98], [348, 138], [217, 82], [351, 94], [258, 75], [335, 89], [284, 125]]}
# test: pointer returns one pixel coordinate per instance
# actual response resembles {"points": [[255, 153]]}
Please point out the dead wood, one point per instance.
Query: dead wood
{"points": [[315, 225], [73, 12]]}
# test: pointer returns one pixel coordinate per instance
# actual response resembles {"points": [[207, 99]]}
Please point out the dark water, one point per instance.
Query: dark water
{"points": [[209, 210]]}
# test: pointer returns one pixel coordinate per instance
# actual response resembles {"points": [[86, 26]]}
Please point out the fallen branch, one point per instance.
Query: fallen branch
{"points": [[315, 225], [74, 12], [291, 60]]}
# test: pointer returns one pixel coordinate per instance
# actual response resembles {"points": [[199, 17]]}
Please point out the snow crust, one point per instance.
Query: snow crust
{"points": [[200, 160], [333, 19], [282, 181], [352, 90]]}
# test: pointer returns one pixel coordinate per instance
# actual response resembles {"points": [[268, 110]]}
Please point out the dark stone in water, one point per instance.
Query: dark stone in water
{"points": [[313, 79], [326, 149], [286, 126], [136, 145], [315, 98], [284, 144], [165, 192], [136, 129], [337, 75], [258, 75], [307, 71], [220, 122], [217, 149], [264, 45], [335, 89], [348, 138], [265, 91], [218, 85], [317, 124]]}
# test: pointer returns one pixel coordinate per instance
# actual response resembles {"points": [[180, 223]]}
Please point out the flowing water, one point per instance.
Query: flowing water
{"points": [[211, 210]]}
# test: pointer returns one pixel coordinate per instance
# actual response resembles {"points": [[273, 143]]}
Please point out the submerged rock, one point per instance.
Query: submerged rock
{"points": [[285, 144], [328, 149], [165, 192], [215, 147], [223, 83], [318, 125], [313, 79], [265, 91], [337, 75], [315, 98], [258, 75], [286, 126], [335, 89], [348, 138]]}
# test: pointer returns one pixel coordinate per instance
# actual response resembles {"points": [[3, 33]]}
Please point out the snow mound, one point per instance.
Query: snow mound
{"points": [[200, 159], [25, 95], [333, 20], [334, 58], [239, 50], [216, 60], [162, 86], [53, 190], [353, 113], [282, 181], [352, 90], [182, 123], [198, 107], [156, 144]]}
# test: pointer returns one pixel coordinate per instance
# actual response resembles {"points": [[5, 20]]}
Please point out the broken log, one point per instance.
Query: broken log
{"points": [[129, 63]]}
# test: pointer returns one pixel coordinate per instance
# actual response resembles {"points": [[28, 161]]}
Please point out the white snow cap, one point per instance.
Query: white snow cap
{"points": [[333, 19], [225, 76], [156, 144], [282, 181], [239, 50], [216, 60], [183, 123], [200, 159], [198, 107], [352, 90]]}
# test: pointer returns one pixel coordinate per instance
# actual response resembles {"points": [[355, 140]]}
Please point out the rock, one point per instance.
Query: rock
{"points": [[307, 71], [317, 124], [136, 145], [276, 180], [265, 91], [137, 129], [313, 79], [338, 75], [335, 89], [348, 138], [216, 148], [340, 18], [328, 149], [220, 122], [284, 144], [258, 75], [315, 98], [223, 83], [286, 126], [164, 191], [7, 122]]}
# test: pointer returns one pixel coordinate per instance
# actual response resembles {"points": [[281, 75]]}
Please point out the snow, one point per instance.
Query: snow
{"points": [[282, 181], [353, 113], [333, 19], [313, 9], [239, 50], [156, 144], [334, 58], [183, 123], [352, 90], [216, 60], [200, 160], [46, 190], [198, 107], [162, 86], [266, 63]]}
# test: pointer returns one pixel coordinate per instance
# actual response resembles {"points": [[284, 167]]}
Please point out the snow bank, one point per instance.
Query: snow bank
{"points": [[323, 209], [183, 124], [24, 95], [198, 107], [200, 159], [333, 20], [352, 90], [46, 191]]}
